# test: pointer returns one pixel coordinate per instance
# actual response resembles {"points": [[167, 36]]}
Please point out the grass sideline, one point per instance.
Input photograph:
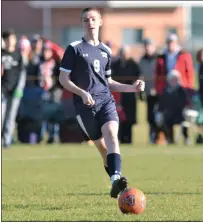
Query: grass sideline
{"points": [[68, 183]]}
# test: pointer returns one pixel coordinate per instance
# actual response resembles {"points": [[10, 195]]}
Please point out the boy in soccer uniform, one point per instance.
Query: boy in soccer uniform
{"points": [[86, 72]]}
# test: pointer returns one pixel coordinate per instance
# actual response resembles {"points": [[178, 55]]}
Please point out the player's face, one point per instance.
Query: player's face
{"points": [[91, 21]]}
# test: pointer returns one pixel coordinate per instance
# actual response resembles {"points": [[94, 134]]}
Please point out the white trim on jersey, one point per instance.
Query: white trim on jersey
{"points": [[65, 70], [108, 72], [81, 124], [108, 48], [76, 43]]}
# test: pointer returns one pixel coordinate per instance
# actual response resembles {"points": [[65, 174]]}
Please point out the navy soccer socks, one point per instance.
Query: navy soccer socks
{"points": [[107, 170], [114, 166]]}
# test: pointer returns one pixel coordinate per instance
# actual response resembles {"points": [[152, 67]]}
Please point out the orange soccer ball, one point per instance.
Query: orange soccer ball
{"points": [[132, 201]]}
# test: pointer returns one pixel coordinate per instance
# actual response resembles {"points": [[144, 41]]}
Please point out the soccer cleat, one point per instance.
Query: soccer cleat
{"points": [[118, 186]]}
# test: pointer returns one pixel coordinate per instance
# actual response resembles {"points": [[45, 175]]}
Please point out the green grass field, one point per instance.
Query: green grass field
{"points": [[68, 183]]}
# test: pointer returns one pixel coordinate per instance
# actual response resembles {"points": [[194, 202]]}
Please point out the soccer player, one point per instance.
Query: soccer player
{"points": [[86, 72]]}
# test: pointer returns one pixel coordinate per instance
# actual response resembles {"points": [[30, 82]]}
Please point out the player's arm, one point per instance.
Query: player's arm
{"points": [[67, 65], [115, 86], [65, 81]]}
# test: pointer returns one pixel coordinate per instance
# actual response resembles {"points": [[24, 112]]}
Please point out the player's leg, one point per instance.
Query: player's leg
{"points": [[110, 125], [110, 134], [91, 130], [101, 146]]}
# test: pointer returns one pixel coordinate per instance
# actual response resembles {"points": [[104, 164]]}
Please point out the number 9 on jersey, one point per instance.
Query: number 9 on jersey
{"points": [[96, 65]]}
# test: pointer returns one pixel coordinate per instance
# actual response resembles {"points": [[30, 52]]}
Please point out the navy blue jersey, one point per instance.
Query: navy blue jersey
{"points": [[90, 66]]}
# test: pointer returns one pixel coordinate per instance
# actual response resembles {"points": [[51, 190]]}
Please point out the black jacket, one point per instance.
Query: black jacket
{"points": [[172, 103], [12, 68], [127, 72], [33, 77]]}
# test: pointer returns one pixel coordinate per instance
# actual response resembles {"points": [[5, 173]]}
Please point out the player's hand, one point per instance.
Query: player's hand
{"points": [[87, 98], [139, 85]]}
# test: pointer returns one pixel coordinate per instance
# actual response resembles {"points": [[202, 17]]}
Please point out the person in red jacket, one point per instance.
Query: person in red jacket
{"points": [[174, 57]]}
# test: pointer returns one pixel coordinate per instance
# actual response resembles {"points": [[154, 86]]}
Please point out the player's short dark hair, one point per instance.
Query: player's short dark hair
{"points": [[85, 10], [8, 33]]}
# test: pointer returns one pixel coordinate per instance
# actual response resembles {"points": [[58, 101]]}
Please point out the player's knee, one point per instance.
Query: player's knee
{"points": [[110, 129], [111, 133]]}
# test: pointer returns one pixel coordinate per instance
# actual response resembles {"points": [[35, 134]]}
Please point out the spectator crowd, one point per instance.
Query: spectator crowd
{"points": [[37, 107]]}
